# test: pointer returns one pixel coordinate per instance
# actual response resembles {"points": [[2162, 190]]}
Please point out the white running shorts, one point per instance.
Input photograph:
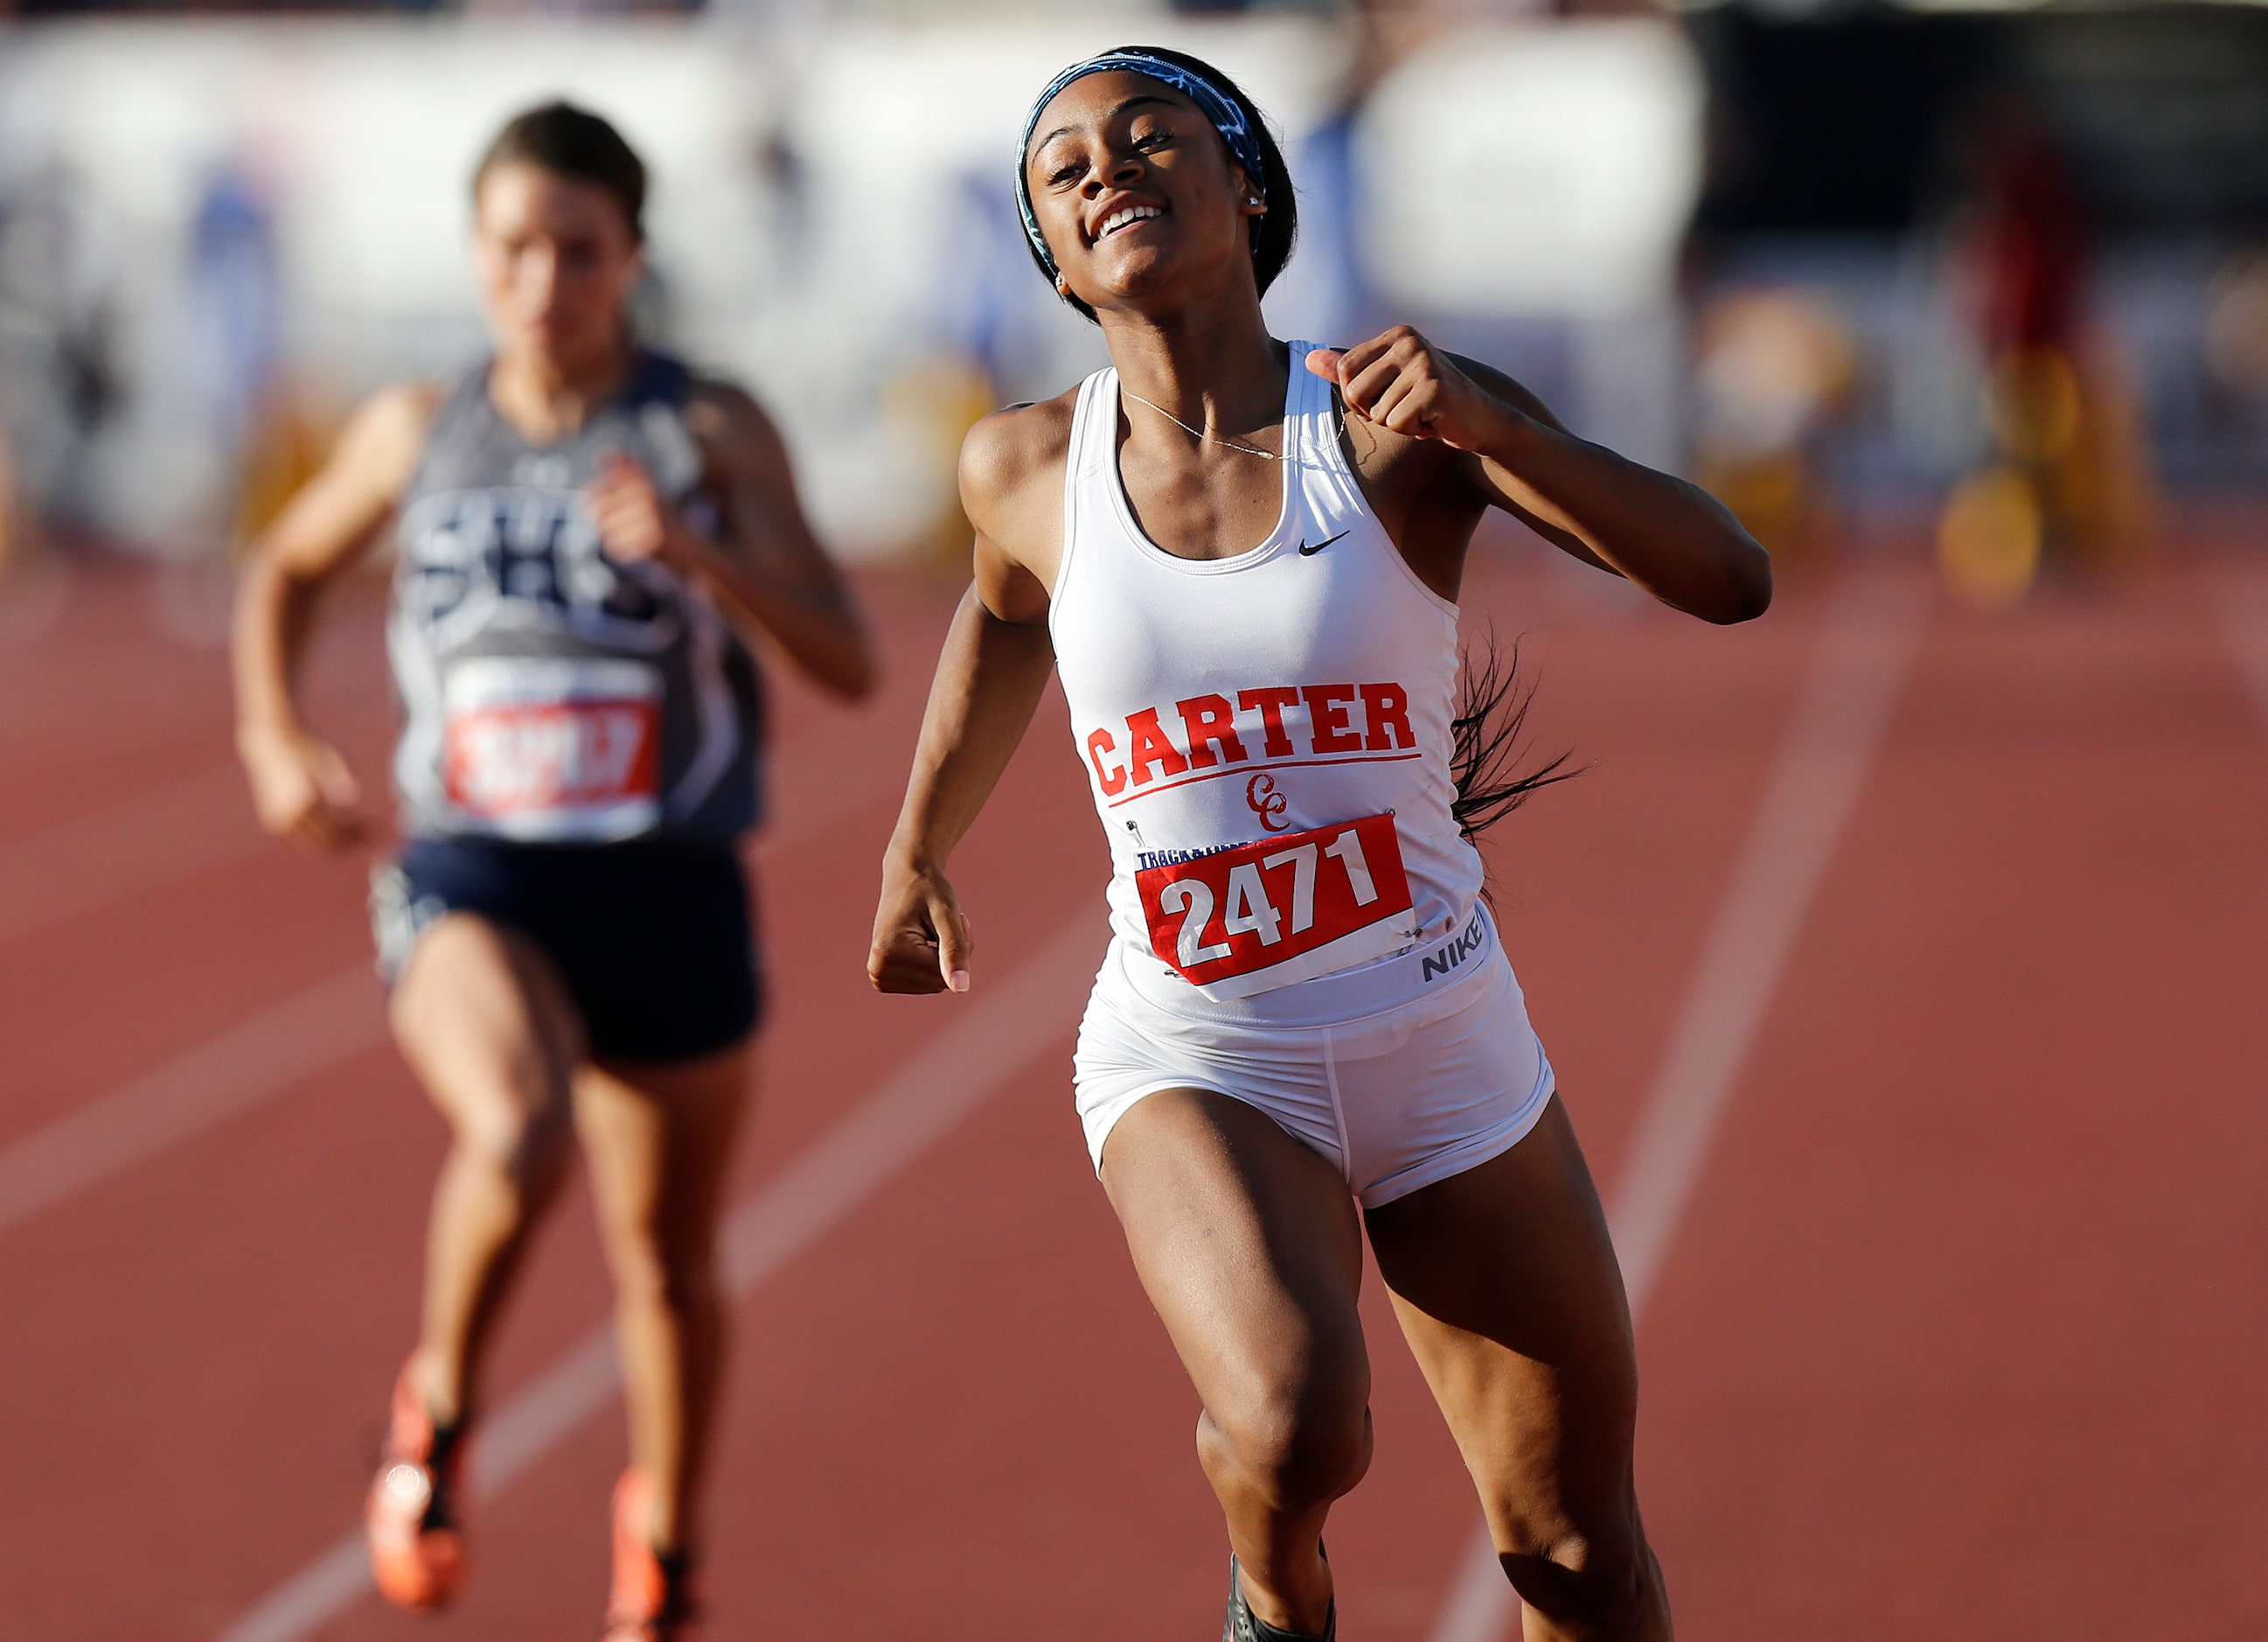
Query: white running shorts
{"points": [[1395, 1100]]}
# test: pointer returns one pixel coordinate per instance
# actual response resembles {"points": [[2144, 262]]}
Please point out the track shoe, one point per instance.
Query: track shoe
{"points": [[652, 1599], [417, 1537], [1241, 1626]]}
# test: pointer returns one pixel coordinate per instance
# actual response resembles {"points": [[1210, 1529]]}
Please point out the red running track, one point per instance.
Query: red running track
{"points": [[1960, 1332]]}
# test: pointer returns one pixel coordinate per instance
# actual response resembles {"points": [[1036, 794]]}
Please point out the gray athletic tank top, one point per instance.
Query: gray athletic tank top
{"points": [[550, 694]]}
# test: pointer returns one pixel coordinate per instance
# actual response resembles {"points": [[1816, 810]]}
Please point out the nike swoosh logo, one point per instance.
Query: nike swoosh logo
{"points": [[1308, 550]]}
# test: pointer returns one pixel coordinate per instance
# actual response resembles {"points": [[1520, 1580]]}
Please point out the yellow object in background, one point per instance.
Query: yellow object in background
{"points": [[1988, 538], [2032, 403], [2067, 427], [1773, 364], [934, 401], [1771, 493], [287, 446]]}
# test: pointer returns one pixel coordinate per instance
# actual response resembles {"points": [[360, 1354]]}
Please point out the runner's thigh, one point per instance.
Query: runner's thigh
{"points": [[485, 1021], [1506, 1286], [1247, 1243], [658, 1140]]}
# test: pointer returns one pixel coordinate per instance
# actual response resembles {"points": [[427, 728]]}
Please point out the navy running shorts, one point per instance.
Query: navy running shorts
{"points": [[652, 937]]}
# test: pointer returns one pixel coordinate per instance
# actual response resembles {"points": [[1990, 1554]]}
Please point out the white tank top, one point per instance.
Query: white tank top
{"points": [[1268, 741]]}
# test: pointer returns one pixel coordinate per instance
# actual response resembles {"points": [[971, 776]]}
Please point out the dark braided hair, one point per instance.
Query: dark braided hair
{"points": [[1485, 745]]}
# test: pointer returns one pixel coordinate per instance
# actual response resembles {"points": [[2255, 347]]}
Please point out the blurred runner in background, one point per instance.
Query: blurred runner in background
{"points": [[588, 534], [2069, 475], [1243, 555]]}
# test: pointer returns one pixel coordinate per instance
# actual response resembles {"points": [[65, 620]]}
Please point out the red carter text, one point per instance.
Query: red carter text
{"points": [[1347, 723]]}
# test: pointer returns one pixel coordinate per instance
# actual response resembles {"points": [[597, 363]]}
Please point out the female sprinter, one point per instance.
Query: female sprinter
{"points": [[586, 535], [1243, 555]]}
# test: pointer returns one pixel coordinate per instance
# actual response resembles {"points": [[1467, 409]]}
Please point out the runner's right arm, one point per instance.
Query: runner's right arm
{"points": [[994, 667], [300, 786]]}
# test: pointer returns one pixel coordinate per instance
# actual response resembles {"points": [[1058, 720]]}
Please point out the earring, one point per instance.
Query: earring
{"points": [[1063, 286]]}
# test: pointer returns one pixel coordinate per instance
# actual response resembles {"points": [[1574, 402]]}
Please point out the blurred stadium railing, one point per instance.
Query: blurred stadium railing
{"points": [[1778, 244]]}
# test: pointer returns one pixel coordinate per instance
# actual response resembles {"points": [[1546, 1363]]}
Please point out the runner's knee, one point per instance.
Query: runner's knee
{"points": [[1299, 1446], [678, 1275], [1597, 1582], [528, 1142]]}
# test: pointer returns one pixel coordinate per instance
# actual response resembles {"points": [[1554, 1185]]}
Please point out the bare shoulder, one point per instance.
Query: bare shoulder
{"points": [[727, 419], [713, 402], [1395, 462], [337, 515], [1399, 463], [403, 404], [380, 445], [1012, 453], [1012, 487]]}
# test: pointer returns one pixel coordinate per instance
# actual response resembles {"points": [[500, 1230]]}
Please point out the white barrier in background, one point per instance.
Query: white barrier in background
{"points": [[1549, 173], [831, 219]]}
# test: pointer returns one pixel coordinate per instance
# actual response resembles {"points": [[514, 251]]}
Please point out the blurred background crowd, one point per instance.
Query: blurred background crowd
{"points": [[1992, 275]]}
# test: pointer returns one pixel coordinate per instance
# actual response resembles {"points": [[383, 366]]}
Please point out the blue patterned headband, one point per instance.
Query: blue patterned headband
{"points": [[1215, 104]]}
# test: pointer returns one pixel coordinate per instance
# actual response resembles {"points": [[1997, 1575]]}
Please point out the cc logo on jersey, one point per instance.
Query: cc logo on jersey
{"points": [[1267, 803]]}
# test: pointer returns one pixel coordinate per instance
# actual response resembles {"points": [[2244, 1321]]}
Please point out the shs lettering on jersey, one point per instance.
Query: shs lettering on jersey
{"points": [[521, 555], [1261, 914], [553, 694], [541, 747], [1264, 728]]}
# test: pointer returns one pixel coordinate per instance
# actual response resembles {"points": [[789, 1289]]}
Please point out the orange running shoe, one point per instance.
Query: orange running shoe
{"points": [[652, 1599], [417, 1540]]}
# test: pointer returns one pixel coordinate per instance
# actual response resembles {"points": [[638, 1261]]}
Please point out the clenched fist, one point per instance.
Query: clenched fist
{"points": [[921, 942], [1400, 381], [634, 522], [302, 788]]}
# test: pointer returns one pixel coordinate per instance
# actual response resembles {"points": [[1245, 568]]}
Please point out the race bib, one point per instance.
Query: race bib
{"points": [[1280, 909], [543, 748]]}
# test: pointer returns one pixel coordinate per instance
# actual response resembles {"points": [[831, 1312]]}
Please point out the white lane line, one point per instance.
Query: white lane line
{"points": [[263, 1056], [126, 849], [2242, 603], [1853, 683], [309, 1032], [993, 1037], [1481, 1606]]}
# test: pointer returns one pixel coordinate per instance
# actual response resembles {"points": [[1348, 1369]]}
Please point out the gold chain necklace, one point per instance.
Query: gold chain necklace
{"points": [[1198, 433]]}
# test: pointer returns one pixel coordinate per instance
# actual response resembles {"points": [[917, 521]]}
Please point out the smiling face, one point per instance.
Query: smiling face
{"points": [[557, 261], [1136, 193]]}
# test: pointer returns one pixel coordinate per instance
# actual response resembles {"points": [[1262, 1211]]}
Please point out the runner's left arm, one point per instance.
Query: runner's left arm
{"points": [[995, 665], [301, 786], [766, 565], [1669, 536]]}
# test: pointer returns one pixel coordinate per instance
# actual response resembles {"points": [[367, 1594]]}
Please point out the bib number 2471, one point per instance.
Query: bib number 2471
{"points": [[1268, 903]]}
